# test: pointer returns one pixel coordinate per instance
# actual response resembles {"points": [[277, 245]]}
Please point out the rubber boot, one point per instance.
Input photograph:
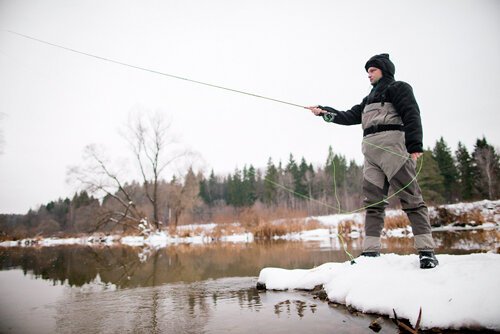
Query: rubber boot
{"points": [[427, 260]]}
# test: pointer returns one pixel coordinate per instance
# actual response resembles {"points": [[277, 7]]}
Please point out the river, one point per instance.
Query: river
{"points": [[184, 288]]}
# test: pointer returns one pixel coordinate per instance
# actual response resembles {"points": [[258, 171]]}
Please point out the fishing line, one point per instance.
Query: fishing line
{"points": [[153, 71], [339, 210], [345, 247], [231, 90]]}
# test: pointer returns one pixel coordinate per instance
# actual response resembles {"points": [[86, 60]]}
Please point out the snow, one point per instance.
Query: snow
{"points": [[245, 237], [462, 292]]}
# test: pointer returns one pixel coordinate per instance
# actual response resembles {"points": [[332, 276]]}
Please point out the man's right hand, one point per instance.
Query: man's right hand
{"points": [[316, 110]]}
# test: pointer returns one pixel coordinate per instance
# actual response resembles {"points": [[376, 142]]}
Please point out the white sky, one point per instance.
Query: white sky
{"points": [[55, 102]]}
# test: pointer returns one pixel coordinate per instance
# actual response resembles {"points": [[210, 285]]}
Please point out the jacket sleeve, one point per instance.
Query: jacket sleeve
{"points": [[406, 105], [349, 117]]}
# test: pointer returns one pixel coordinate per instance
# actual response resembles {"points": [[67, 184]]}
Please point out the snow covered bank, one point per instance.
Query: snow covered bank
{"points": [[462, 292], [93, 240], [483, 214]]}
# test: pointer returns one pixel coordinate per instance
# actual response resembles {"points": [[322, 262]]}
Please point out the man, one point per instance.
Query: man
{"points": [[392, 142]]}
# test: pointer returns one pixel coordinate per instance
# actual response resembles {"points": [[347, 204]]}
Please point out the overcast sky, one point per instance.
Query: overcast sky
{"points": [[53, 102]]}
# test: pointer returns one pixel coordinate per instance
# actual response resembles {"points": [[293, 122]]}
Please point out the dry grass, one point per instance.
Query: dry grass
{"points": [[224, 218], [221, 230], [249, 218], [267, 230], [394, 222], [474, 218]]}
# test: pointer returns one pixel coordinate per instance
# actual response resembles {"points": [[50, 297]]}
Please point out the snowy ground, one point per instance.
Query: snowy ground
{"points": [[462, 292], [201, 233]]}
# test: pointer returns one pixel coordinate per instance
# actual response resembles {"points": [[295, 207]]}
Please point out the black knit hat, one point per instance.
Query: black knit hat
{"points": [[383, 63]]}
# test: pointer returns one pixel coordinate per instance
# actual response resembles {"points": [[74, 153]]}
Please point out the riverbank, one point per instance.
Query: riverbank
{"points": [[469, 216]]}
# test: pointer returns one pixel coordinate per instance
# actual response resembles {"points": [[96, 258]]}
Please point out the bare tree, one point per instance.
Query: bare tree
{"points": [[183, 197], [98, 177], [487, 164], [154, 149]]}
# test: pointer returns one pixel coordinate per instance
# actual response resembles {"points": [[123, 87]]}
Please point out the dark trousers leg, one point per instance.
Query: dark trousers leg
{"points": [[413, 205], [375, 213]]}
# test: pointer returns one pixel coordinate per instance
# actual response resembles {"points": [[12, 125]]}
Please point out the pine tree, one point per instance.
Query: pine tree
{"points": [[217, 187], [442, 155], [465, 172], [205, 192], [293, 175], [431, 180], [229, 191], [249, 186], [238, 196], [270, 195], [299, 179]]}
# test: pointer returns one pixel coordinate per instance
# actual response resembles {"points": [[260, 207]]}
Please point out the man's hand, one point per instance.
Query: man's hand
{"points": [[415, 155], [316, 111]]}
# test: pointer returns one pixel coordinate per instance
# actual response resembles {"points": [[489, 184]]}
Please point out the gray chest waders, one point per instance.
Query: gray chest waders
{"points": [[387, 163]]}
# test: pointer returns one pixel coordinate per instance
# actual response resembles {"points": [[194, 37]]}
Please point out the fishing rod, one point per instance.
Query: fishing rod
{"points": [[213, 86], [239, 92], [153, 71]]}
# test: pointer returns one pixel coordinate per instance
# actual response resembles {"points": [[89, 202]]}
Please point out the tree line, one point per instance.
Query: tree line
{"points": [[446, 176], [106, 202]]}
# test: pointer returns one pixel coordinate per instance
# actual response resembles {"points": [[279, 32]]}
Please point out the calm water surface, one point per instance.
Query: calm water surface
{"points": [[182, 289]]}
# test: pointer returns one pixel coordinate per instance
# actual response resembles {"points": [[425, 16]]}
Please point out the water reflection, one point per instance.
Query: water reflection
{"points": [[468, 241], [300, 307], [129, 267], [450, 242]]}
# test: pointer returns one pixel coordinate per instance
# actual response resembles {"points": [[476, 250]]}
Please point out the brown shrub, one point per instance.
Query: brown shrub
{"points": [[313, 224], [20, 232], [443, 217], [224, 217], [249, 218], [266, 230], [474, 218], [48, 227], [394, 222], [221, 230]]}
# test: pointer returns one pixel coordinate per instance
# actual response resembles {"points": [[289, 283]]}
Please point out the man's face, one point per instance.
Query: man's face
{"points": [[374, 74]]}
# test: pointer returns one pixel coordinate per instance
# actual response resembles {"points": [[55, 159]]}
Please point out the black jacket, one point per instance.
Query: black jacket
{"points": [[400, 94]]}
